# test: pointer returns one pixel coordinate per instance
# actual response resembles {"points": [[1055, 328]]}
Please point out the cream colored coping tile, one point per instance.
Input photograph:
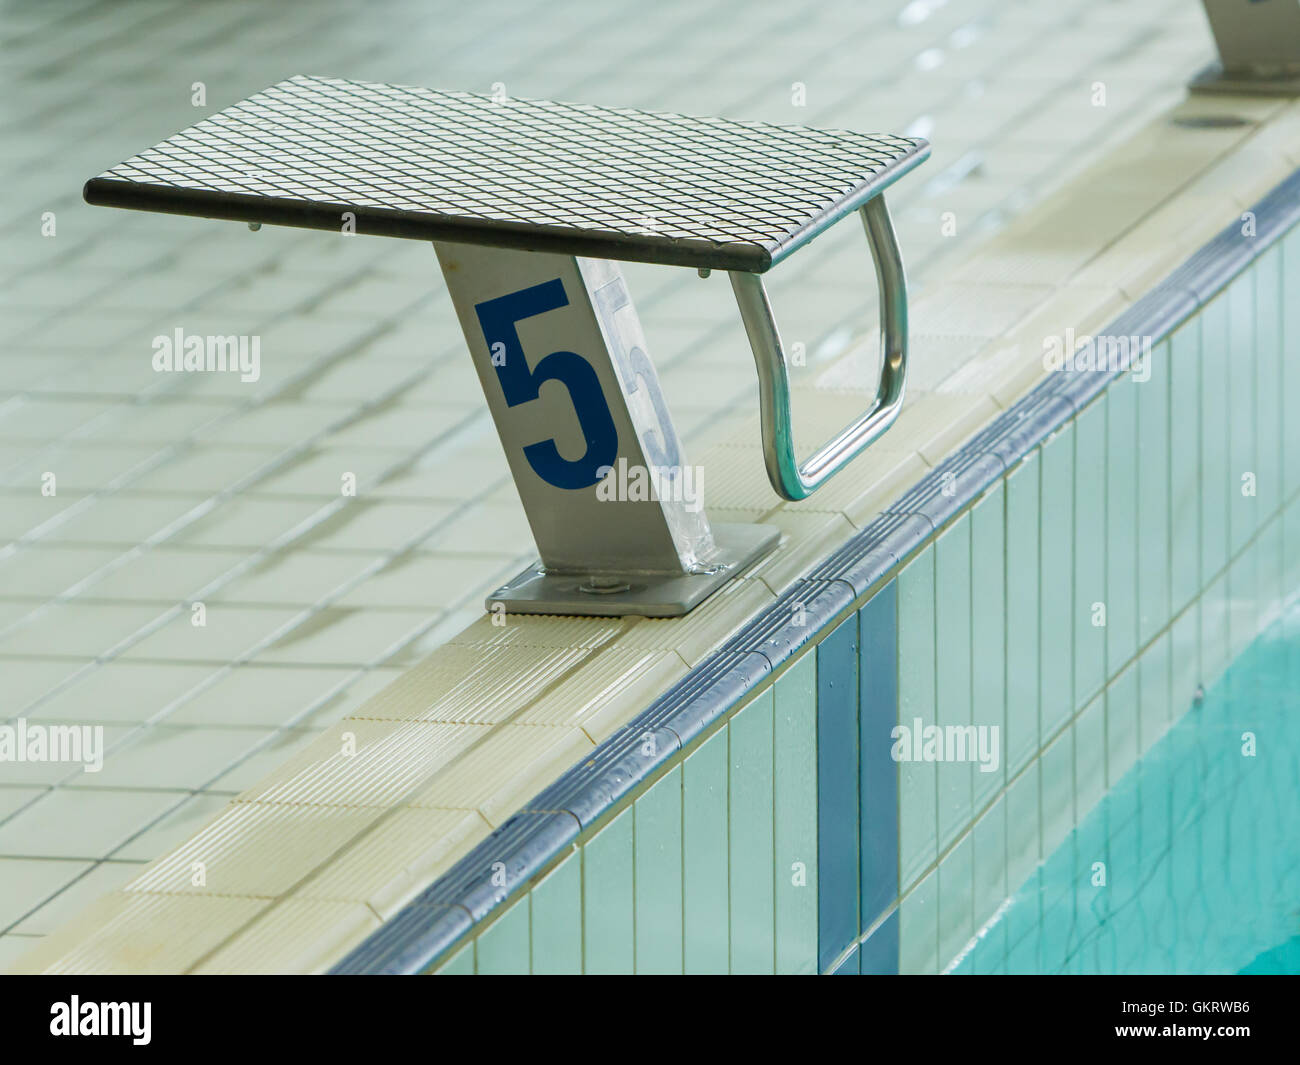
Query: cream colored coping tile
{"points": [[806, 537], [474, 683], [256, 849], [140, 933], [267, 849], [537, 753], [366, 762], [530, 630], [402, 855], [704, 628], [297, 936], [589, 698]]}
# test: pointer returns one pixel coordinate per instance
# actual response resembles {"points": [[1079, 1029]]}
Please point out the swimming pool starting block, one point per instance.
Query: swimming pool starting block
{"points": [[530, 205]]}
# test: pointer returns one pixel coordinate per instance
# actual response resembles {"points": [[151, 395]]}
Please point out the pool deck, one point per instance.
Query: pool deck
{"points": [[339, 624]]}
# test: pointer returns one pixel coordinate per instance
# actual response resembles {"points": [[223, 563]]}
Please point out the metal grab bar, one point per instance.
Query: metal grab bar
{"points": [[791, 479]]}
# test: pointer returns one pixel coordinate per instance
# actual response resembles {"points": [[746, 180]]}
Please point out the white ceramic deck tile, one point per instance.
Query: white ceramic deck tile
{"points": [[14, 797], [44, 572], [122, 521], [295, 578], [171, 756], [29, 680], [416, 580], [12, 947], [227, 633], [76, 630], [86, 824], [139, 933], [25, 882], [277, 696], [76, 895]]}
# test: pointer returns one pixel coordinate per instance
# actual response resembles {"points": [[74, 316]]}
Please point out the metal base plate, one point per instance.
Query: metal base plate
{"points": [[1212, 79], [536, 592]]}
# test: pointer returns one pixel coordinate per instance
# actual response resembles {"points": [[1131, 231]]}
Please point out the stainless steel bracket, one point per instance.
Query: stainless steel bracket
{"points": [[615, 509], [1259, 48], [790, 478]]}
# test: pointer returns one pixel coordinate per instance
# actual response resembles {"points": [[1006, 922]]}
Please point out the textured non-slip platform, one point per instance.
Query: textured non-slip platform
{"points": [[606, 182]]}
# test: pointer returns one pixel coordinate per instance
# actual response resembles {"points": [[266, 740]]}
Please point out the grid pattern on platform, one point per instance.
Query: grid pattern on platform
{"points": [[651, 179]]}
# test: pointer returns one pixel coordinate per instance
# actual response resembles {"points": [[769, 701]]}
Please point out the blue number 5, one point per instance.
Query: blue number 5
{"points": [[498, 318]]}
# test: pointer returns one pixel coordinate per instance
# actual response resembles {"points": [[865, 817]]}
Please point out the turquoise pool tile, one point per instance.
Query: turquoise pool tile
{"points": [[1184, 466], [657, 829], [952, 580], [1184, 660], [608, 894], [1291, 364], [1121, 725], [1291, 546], [1243, 600], [1269, 411], [1216, 467], [1123, 872], [1090, 755], [1153, 693], [1022, 627], [1058, 902], [503, 948], [459, 964], [1239, 398], [956, 900], [989, 876], [989, 636], [1153, 485], [1056, 584], [557, 920], [1122, 464], [1214, 630], [879, 951], [1025, 927], [1091, 614], [1024, 826], [750, 806], [795, 837], [706, 910], [878, 772], [917, 800], [1056, 779], [838, 829], [918, 928], [1270, 571]]}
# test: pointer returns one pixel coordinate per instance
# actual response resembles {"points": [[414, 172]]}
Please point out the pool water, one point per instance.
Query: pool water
{"points": [[1200, 842]]}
